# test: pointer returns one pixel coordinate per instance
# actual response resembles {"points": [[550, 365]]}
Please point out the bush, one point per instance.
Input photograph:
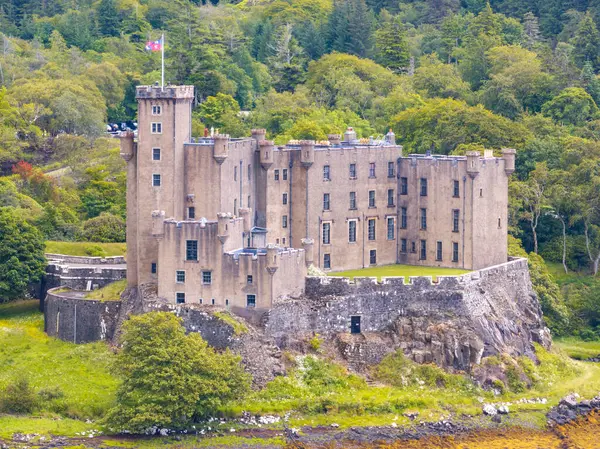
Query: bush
{"points": [[315, 343], [106, 228], [577, 257], [18, 397], [95, 251]]}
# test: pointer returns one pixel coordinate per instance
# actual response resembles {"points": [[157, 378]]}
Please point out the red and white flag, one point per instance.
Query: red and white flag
{"points": [[154, 45]]}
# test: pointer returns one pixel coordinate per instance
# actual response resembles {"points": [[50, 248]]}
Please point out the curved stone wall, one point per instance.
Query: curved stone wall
{"points": [[77, 319]]}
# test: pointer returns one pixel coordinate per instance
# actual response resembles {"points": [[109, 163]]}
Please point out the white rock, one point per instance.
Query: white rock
{"points": [[490, 410]]}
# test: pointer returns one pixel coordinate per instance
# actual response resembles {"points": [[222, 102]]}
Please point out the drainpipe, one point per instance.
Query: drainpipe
{"points": [[363, 240], [319, 234], [241, 186], [75, 324], [464, 212]]}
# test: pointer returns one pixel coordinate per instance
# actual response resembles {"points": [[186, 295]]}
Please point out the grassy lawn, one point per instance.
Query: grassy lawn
{"points": [[112, 292], [578, 349], [86, 248], [73, 379], [399, 270]]}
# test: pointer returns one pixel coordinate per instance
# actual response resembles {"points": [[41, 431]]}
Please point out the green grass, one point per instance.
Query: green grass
{"points": [[239, 328], [400, 270], [85, 248], [10, 425], [111, 292], [77, 372], [578, 349]]}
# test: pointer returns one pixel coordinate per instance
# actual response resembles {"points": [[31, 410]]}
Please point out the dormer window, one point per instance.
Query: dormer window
{"points": [[156, 109]]}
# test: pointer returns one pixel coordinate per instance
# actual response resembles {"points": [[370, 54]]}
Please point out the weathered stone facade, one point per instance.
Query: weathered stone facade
{"points": [[202, 211]]}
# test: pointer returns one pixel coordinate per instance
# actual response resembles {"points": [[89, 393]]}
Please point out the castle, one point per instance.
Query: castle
{"points": [[236, 222]]}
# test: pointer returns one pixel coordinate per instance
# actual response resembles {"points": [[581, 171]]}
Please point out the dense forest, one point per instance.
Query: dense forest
{"points": [[449, 74]]}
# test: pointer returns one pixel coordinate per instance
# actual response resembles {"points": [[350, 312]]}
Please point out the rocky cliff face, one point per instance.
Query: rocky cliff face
{"points": [[453, 323]]}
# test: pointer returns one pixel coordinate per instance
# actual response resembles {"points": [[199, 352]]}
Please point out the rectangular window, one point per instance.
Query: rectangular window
{"points": [[454, 252], [251, 301], [249, 172], [156, 154], [403, 186], [455, 220], [249, 204], [352, 171], [156, 110], [373, 257], [326, 233], [249, 279], [326, 201], [207, 277], [371, 229], [391, 170], [403, 218], [438, 251], [352, 231], [191, 250], [391, 228], [180, 298], [403, 247], [423, 219], [235, 206], [371, 198], [423, 186], [423, 250], [352, 200], [155, 180], [327, 261], [284, 221], [456, 189], [284, 199], [276, 175], [390, 197], [326, 173], [153, 268], [371, 169], [191, 213], [156, 128], [180, 277], [285, 174], [413, 247]]}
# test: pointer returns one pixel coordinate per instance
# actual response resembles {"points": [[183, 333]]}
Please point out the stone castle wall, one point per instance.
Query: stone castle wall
{"points": [[79, 320]]}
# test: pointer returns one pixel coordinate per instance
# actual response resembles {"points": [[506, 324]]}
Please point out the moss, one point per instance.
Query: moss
{"points": [[84, 248], [315, 343], [239, 328], [111, 292]]}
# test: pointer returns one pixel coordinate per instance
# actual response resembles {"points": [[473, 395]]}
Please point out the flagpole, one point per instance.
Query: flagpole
{"points": [[162, 52]]}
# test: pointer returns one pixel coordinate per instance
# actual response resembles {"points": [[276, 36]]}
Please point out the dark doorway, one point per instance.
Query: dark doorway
{"points": [[355, 325]]}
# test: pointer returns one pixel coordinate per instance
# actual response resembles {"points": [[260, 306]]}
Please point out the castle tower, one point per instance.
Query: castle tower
{"points": [[155, 168]]}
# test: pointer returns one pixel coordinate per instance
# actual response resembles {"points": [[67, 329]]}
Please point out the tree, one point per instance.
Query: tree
{"points": [[531, 30], [391, 46], [170, 379], [351, 28], [587, 42], [590, 81], [214, 109], [437, 79], [104, 228], [108, 18], [22, 260], [560, 200], [572, 106]]}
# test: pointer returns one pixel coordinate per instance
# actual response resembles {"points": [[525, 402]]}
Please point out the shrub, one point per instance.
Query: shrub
{"points": [[18, 397], [106, 228], [315, 343], [95, 251]]}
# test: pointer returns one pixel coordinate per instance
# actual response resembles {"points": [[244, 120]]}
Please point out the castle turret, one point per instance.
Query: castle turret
{"points": [[390, 137], [266, 153], [473, 163], [127, 145], [307, 152], [508, 154], [221, 147], [272, 255], [223, 220], [246, 215], [349, 135], [308, 245], [259, 134], [158, 223], [334, 139]]}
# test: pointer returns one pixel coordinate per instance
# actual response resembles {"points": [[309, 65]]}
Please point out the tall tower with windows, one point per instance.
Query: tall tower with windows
{"points": [[155, 170]]}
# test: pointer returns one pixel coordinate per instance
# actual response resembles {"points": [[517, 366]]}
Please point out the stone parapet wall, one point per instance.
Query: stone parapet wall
{"points": [[81, 278], [85, 260], [79, 320]]}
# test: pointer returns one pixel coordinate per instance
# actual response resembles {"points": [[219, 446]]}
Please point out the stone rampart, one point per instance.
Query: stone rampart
{"points": [[81, 278], [77, 319], [85, 260]]}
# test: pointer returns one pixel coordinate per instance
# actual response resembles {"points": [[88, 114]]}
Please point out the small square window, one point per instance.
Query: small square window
{"points": [[153, 268], [180, 298], [156, 109], [191, 213], [276, 175], [156, 154], [207, 277], [373, 257], [249, 279], [403, 246], [156, 128], [191, 250], [155, 180], [327, 261], [391, 170], [180, 277], [227, 302], [251, 301], [212, 301], [201, 301]]}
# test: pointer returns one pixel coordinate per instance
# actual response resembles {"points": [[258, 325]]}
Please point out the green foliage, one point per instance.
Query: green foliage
{"points": [[18, 397], [239, 328], [170, 379], [111, 292], [436, 79], [573, 106], [392, 50], [105, 228], [315, 343], [22, 260]]}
